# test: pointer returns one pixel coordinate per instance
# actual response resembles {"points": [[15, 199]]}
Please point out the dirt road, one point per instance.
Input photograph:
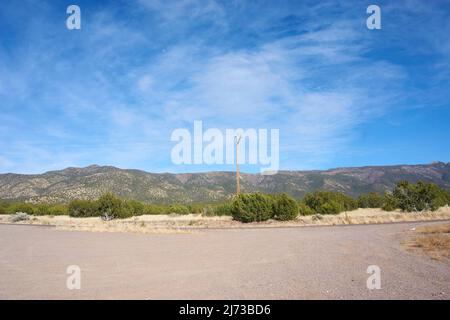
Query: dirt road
{"points": [[279, 263]]}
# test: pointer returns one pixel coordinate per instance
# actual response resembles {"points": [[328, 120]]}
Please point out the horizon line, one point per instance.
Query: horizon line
{"points": [[229, 171]]}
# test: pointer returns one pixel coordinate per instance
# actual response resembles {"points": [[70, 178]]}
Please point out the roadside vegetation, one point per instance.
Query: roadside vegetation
{"points": [[248, 207], [434, 240]]}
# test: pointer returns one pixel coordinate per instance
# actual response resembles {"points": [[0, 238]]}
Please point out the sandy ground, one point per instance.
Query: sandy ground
{"points": [[187, 223], [323, 262]]}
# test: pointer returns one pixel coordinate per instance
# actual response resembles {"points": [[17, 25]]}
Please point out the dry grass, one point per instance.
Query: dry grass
{"points": [[434, 229], [432, 240], [368, 216]]}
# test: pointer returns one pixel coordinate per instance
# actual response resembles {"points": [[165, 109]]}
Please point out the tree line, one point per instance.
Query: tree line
{"points": [[249, 207]]}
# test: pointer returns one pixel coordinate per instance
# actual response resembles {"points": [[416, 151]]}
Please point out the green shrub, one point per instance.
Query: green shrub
{"points": [[390, 204], [252, 207], [111, 207], [58, 210], [21, 207], [134, 207], [418, 197], [402, 195], [329, 202], [196, 208], [371, 200], [225, 209], [44, 209], [284, 207], [178, 209], [155, 209], [222, 209], [125, 211], [304, 210], [331, 207], [83, 208], [4, 205]]}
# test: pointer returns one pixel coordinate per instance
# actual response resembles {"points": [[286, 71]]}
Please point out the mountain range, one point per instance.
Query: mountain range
{"points": [[90, 182]]}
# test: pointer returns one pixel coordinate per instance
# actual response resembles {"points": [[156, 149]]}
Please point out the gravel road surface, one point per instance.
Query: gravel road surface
{"points": [[276, 263]]}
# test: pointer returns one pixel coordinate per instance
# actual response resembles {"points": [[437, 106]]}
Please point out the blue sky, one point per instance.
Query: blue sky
{"points": [[112, 92]]}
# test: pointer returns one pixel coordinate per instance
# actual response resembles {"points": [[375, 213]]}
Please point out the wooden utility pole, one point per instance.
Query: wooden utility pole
{"points": [[238, 186]]}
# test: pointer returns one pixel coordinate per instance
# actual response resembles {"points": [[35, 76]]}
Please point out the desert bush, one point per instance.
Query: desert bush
{"points": [[208, 211], [111, 207], [389, 204], [252, 207], [419, 196], [4, 207], [42, 209], [133, 207], [371, 200], [329, 202], [445, 195], [125, 211], [58, 210], [196, 207], [178, 209], [284, 207], [304, 210], [402, 195], [21, 207], [20, 216], [331, 207], [83, 208], [52, 210], [155, 209], [224, 209]]}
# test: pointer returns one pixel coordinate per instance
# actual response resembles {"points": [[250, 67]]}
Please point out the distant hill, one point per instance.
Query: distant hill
{"points": [[91, 181]]}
